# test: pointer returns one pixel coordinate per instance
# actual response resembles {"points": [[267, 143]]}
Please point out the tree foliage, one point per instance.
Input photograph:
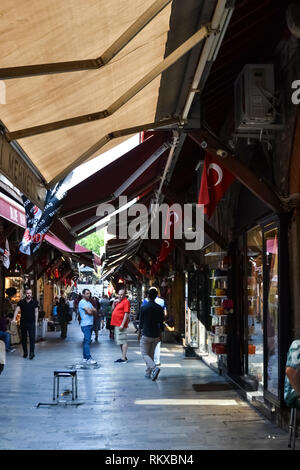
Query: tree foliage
{"points": [[93, 242]]}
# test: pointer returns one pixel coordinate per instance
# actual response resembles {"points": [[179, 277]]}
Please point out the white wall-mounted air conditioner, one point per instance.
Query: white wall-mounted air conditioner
{"points": [[255, 101]]}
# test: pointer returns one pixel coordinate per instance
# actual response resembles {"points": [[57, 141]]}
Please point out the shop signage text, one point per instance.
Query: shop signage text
{"points": [[16, 170]]}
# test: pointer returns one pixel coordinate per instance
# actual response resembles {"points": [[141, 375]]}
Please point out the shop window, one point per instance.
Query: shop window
{"points": [[254, 358], [191, 318], [17, 283], [272, 309]]}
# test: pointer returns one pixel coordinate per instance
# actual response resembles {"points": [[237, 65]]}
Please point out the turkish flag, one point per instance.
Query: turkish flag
{"points": [[166, 248], [155, 267], [214, 183]]}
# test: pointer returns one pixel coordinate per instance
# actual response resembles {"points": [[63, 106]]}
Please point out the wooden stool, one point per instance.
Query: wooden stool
{"points": [[65, 373], [293, 428]]}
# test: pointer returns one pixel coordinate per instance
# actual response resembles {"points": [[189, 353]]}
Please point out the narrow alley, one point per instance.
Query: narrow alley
{"points": [[118, 408]]}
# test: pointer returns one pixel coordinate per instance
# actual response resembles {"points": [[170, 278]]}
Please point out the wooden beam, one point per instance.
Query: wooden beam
{"points": [[210, 143], [88, 64], [195, 39]]}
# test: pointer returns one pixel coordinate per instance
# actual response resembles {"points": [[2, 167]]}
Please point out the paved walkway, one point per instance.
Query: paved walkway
{"points": [[121, 409]]}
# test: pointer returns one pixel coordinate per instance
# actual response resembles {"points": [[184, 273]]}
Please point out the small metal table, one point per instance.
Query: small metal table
{"points": [[65, 373]]}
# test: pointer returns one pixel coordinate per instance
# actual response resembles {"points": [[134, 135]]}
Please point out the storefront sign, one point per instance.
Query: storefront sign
{"points": [[19, 173], [11, 211]]}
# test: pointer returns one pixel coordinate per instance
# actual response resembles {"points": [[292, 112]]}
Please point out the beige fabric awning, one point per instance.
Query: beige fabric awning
{"points": [[125, 40], [35, 32]]}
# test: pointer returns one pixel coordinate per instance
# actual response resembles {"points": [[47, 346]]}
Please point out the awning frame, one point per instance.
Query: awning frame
{"points": [[202, 33], [88, 64]]}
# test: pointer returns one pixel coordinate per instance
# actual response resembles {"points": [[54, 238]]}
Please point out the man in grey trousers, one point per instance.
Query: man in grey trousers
{"points": [[150, 328]]}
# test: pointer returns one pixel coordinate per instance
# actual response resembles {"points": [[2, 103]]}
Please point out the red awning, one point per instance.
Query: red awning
{"points": [[15, 213], [62, 247], [129, 175], [80, 253], [12, 211]]}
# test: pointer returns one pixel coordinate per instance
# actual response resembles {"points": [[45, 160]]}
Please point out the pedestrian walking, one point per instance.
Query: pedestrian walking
{"points": [[150, 328], [160, 302], [28, 308], [64, 316], [97, 316], [120, 320], [55, 304], [71, 305], [104, 306], [108, 320], [86, 312], [76, 304]]}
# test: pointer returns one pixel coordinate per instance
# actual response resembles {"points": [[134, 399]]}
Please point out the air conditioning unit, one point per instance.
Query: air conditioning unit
{"points": [[255, 101]]}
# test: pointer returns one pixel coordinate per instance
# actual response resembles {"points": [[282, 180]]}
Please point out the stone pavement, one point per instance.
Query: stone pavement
{"points": [[121, 409]]}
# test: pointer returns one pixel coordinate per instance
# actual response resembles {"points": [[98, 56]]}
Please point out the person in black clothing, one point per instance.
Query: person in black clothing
{"points": [[28, 307], [150, 328], [64, 316]]}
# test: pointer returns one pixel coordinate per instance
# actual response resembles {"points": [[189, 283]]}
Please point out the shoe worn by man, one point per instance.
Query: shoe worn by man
{"points": [[84, 360], [154, 373], [147, 376], [25, 355], [31, 356], [91, 361], [122, 360], [11, 350]]}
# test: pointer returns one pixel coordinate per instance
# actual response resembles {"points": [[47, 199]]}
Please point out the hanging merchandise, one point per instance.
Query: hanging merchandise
{"points": [[142, 268], [38, 222], [5, 255]]}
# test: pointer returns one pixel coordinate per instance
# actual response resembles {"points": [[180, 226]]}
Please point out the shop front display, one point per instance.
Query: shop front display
{"points": [[254, 357], [272, 311], [16, 282], [191, 306], [221, 306], [263, 322]]}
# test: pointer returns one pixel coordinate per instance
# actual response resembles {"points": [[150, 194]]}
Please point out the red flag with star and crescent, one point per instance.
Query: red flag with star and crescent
{"points": [[214, 183]]}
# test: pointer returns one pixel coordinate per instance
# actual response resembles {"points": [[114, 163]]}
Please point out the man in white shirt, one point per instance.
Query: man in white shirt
{"points": [[86, 312]]}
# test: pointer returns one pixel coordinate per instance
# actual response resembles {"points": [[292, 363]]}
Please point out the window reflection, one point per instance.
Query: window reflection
{"points": [[271, 247], [255, 304]]}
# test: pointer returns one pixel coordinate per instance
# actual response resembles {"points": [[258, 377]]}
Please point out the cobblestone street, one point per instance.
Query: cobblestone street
{"points": [[120, 408]]}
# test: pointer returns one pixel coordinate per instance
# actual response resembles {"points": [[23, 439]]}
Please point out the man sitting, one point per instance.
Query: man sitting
{"points": [[292, 379], [4, 334]]}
